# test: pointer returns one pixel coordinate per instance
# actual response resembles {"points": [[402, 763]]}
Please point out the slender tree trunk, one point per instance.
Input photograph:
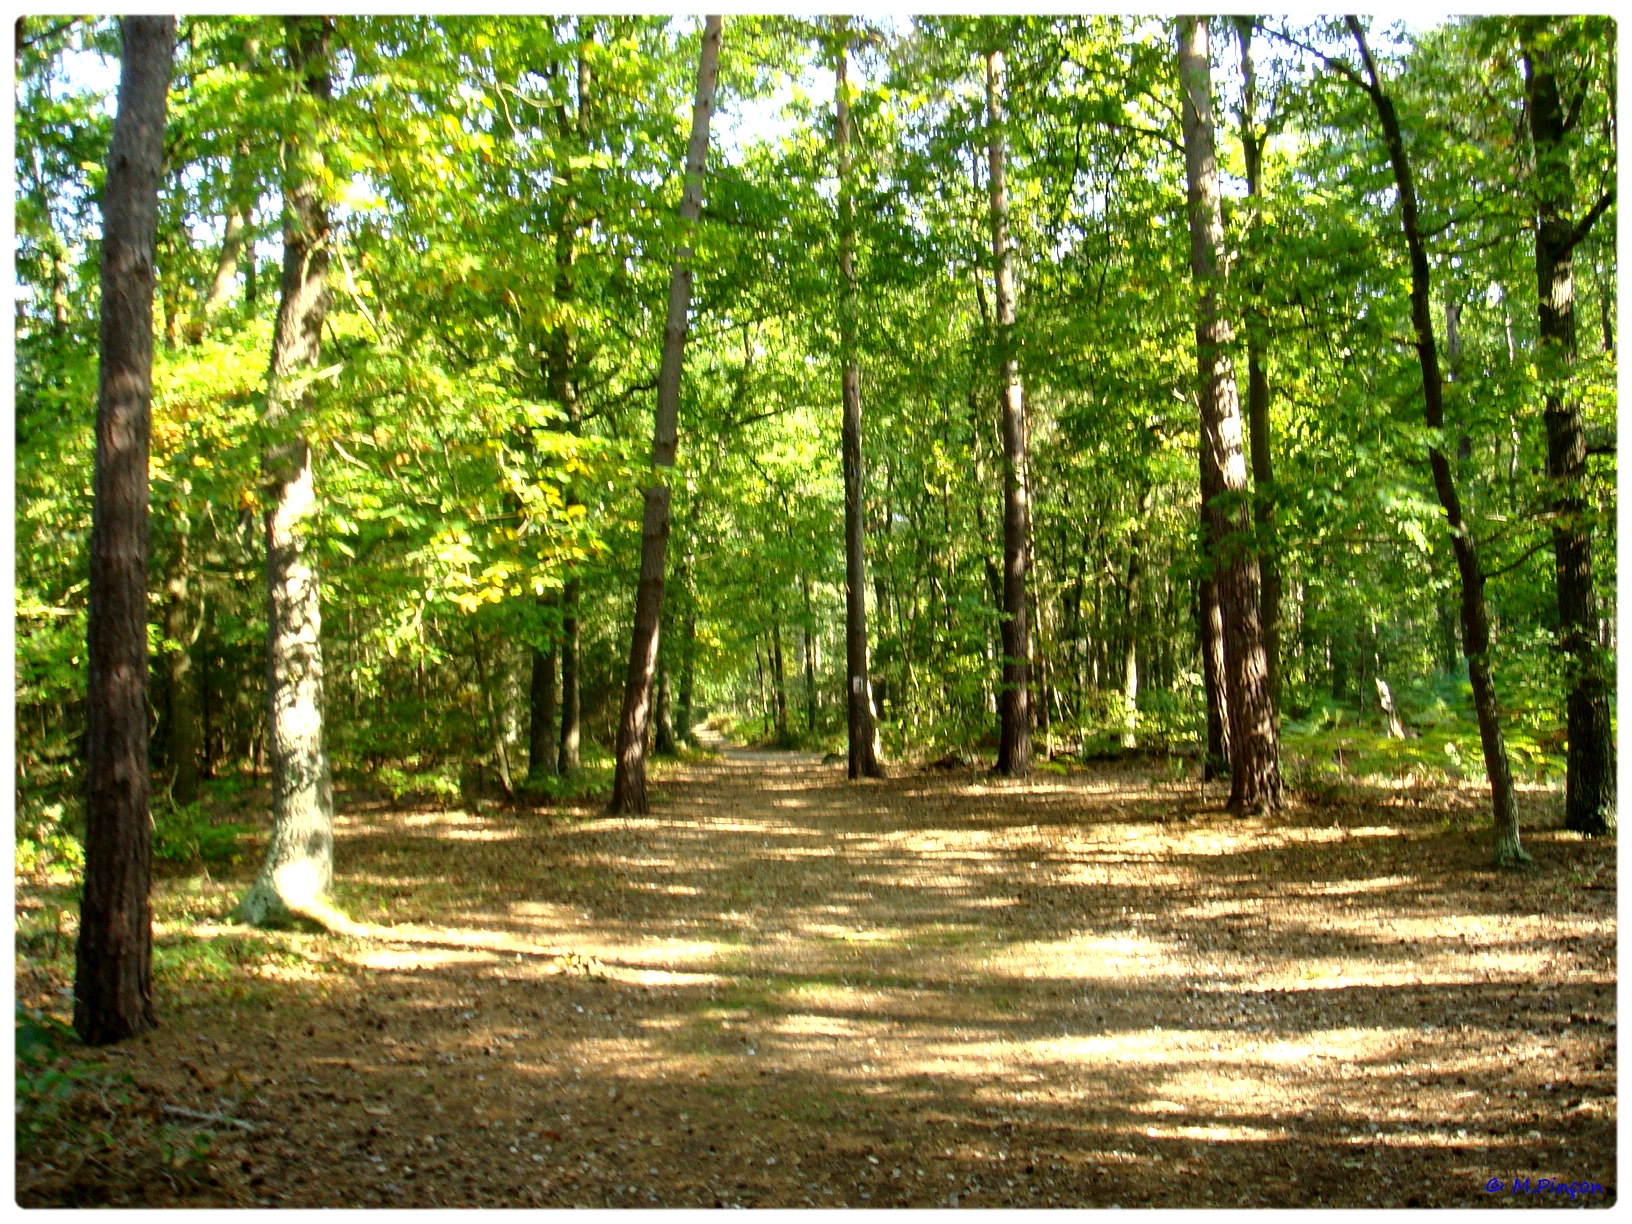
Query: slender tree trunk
{"points": [[294, 878], [1014, 704], [1255, 777], [779, 675], [1259, 442], [567, 760], [810, 659], [495, 723], [1215, 763], [664, 745], [1475, 621], [863, 755], [541, 703], [113, 971], [688, 663], [182, 733], [1590, 786], [1130, 653], [629, 782]]}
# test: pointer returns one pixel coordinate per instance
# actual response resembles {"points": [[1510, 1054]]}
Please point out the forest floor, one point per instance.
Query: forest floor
{"points": [[941, 989]]}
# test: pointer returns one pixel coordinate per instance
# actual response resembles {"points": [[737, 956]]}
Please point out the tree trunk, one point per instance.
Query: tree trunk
{"points": [[688, 665], [629, 782], [863, 755], [1255, 777], [1263, 468], [1215, 763], [780, 682], [664, 745], [1014, 704], [113, 971], [567, 759], [810, 660], [1475, 622], [294, 878], [495, 724], [541, 705], [181, 737], [1590, 789], [1130, 652]]}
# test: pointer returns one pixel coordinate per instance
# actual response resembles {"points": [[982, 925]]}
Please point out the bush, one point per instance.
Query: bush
{"points": [[186, 834]]}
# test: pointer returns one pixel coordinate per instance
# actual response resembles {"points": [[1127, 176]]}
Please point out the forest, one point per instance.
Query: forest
{"points": [[788, 611]]}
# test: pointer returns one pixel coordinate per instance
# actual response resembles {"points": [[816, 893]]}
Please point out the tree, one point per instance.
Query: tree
{"points": [[629, 780], [1590, 790], [863, 755], [113, 971], [1254, 747], [1014, 702], [295, 876], [1475, 618]]}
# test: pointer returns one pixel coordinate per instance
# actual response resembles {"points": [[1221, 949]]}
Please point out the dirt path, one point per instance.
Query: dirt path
{"points": [[785, 990]]}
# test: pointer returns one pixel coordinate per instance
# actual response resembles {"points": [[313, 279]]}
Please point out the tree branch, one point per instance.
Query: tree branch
{"points": [[1597, 210]]}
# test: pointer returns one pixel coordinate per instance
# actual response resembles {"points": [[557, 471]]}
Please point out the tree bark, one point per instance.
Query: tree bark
{"points": [[541, 703], [810, 659], [863, 756], [113, 970], [664, 744], [1254, 750], [1590, 786], [239, 211], [1215, 762], [1475, 620], [1258, 435], [295, 876], [629, 781], [1014, 703], [567, 759], [780, 683]]}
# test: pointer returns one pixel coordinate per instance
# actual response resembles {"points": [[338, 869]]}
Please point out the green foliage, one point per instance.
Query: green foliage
{"points": [[189, 834]]}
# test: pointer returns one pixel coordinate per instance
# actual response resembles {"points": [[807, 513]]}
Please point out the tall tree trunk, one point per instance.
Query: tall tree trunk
{"points": [[1475, 621], [1130, 606], [780, 678], [688, 664], [567, 759], [495, 723], [1258, 437], [1215, 763], [810, 659], [1590, 789], [113, 970], [664, 744], [1014, 703], [182, 732], [1255, 776], [629, 782], [294, 878], [541, 705], [863, 755]]}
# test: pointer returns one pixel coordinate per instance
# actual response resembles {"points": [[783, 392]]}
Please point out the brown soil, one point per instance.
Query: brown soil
{"points": [[785, 990]]}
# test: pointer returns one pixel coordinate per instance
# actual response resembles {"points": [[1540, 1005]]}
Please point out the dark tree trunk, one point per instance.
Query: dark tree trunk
{"points": [[1263, 468], [1475, 622], [181, 736], [810, 660], [629, 782], [1215, 763], [863, 755], [688, 665], [780, 683], [541, 707], [113, 971], [567, 759], [1590, 788], [1014, 703], [664, 744], [294, 878], [1254, 749]]}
